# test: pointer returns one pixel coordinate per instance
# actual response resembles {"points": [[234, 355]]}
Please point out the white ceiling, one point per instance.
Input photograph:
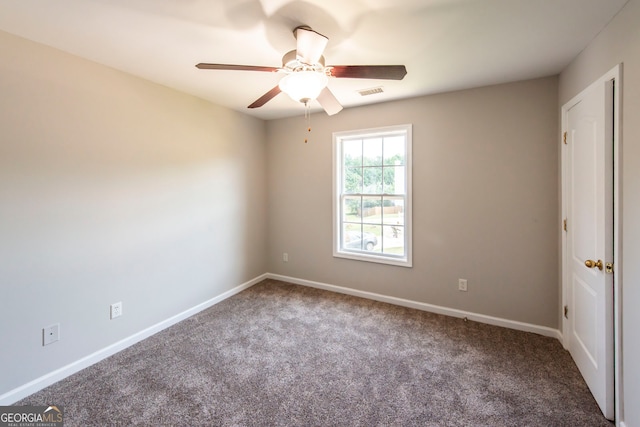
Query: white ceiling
{"points": [[445, 44]]}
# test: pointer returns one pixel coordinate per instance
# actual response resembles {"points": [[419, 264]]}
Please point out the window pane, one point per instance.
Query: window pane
{"points": [[353, 180], [393, 241], [368, 240], [351, 209], [393, 212], [372, 180], [371, 238], [372, 152], [352, 236], [352, 152], [371, 210], [394, 150], [393, 180]]}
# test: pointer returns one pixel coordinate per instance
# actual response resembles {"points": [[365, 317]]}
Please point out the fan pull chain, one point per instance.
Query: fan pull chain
{"points": [[307, 116]]}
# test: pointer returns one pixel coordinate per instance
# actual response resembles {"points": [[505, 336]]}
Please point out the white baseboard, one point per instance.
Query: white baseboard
{"points": [[39, 383], [511, 324]]}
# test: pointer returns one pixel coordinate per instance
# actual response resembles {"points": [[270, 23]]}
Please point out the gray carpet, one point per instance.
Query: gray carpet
{"points": [[285, 355]]}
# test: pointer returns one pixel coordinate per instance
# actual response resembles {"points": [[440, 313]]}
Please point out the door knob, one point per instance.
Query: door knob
{"points": [[590, 264]]}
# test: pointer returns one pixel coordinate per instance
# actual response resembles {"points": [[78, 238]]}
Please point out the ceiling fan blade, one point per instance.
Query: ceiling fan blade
{"points": [[384, 72], [265, 98], [310, 45], [329, 102], [204, 66]]}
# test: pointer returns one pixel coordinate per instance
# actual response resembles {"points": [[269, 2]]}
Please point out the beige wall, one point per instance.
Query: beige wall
{"points": [[485, 201], [618, 43], [114, 189]]}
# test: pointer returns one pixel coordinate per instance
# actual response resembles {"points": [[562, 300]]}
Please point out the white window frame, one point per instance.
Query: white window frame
{"points": [[360, 255]]}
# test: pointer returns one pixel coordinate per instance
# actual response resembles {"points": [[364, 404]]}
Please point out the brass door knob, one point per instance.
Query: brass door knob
{"points": [[590, 264]]}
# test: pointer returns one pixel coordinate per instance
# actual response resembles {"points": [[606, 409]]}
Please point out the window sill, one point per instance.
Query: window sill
{"points": [[358, 256]]}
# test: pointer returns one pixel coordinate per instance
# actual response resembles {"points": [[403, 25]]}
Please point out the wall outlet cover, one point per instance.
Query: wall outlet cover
{"points": [[50, 334], [116, 310]]}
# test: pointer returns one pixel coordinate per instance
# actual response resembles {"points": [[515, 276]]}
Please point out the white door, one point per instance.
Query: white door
{"points": [[588, 203]]}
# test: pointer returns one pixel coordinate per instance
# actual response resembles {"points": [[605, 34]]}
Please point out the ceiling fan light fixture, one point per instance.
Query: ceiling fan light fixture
{"points": [[303, 86]]}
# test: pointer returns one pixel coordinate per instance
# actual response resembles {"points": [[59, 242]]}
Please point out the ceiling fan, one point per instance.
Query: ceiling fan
{"points": [[306, 75]]}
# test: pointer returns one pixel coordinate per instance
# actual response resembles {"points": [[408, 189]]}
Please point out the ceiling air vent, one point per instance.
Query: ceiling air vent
{"points": [[371, 91]]}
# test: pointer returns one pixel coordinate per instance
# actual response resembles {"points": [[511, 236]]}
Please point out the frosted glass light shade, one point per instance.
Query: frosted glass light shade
{"points": [[303, 86]]}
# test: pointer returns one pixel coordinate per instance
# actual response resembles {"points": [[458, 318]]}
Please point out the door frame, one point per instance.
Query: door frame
{"points": [[614, 74]]}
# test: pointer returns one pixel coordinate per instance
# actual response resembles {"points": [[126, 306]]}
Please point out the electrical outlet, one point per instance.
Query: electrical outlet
{"points": [[50, 334], [462, 285], [285, 257], [116, 310]]}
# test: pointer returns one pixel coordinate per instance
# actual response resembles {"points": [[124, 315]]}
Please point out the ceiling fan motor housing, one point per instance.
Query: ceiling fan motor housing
{"points": [[291, 62]]}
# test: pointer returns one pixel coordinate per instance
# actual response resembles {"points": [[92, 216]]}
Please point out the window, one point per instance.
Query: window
{"points": [[372, 195]]}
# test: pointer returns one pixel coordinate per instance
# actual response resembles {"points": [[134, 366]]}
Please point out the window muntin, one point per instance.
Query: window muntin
{"points": [[372, 199]]}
